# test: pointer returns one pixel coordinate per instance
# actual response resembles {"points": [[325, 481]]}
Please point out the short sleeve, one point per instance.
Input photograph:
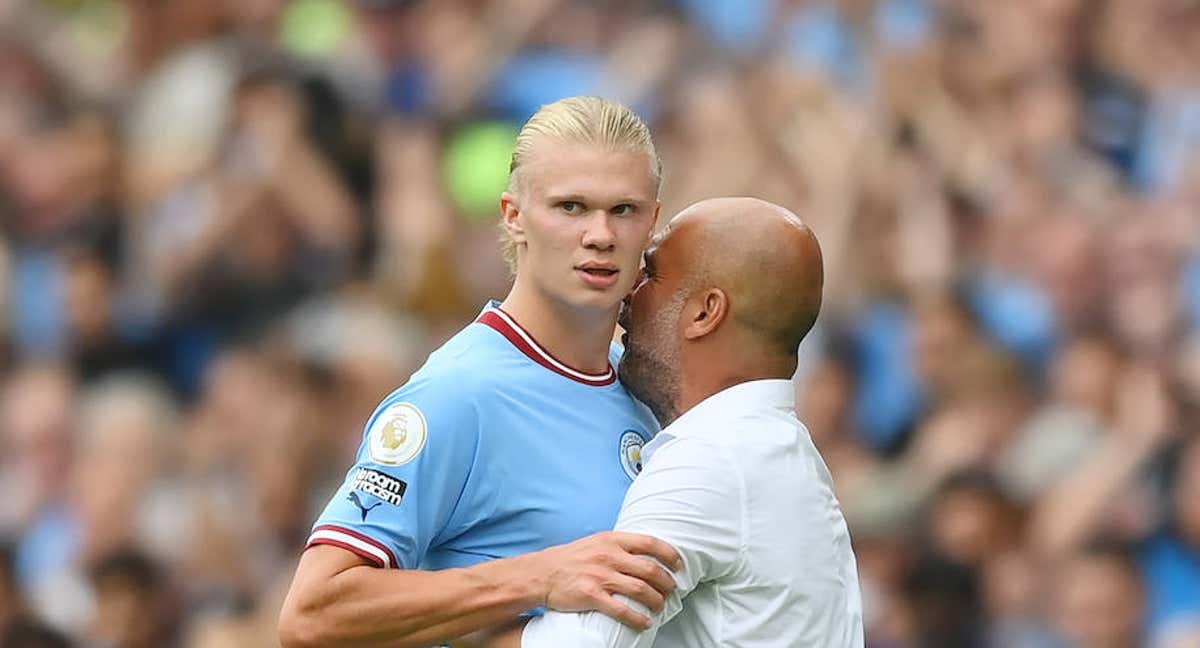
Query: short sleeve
{"points": [[690, 496], [411, 470]]}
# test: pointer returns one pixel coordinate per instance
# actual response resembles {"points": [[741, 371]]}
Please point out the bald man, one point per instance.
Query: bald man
{"points": [[733, 481]]}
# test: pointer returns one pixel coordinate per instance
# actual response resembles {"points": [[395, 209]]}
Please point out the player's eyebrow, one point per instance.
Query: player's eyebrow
{"points": [[580, 198], [555, 199], [631, 200]]}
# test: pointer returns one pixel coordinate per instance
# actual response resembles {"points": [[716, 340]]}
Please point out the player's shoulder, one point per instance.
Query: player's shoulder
{"points": [[463, 358], [456, 375], [438, 403]]}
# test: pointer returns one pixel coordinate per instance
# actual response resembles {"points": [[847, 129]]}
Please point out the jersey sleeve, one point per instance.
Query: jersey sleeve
{"points": [[689, 496], [411, 470]]}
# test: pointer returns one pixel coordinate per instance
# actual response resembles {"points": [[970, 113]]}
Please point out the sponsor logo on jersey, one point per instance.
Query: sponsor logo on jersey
{"points": [[398, 434], [631, 452], [382, 486], [353, 497]]}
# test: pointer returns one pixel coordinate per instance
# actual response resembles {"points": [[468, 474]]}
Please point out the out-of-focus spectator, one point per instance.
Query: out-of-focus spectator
{"points": [[1104, 495], [135, 604], [1171, 559], [1097, 599], [36, 409], [33, 635], [1013, 602], [112, 494], [1076, 415], [12, 607]]}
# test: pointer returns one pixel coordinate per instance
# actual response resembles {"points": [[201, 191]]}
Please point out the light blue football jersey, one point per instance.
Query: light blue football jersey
{"points": [[492, 449]]}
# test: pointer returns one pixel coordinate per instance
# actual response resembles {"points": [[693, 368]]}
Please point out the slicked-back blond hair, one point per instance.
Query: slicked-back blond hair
{"points": [[583, 120]]}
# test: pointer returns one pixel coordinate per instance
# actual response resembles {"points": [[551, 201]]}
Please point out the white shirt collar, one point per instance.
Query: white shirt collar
{"points": [[731, 401]]}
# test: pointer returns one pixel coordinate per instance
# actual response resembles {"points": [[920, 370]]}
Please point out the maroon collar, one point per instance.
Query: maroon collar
{"points": [[496, 318]]}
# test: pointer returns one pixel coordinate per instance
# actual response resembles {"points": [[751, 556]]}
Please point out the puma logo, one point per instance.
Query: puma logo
{"points": [[353, 497]]}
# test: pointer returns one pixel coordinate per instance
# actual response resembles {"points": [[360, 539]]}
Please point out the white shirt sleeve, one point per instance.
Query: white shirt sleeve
{"points": [[690, 496]]}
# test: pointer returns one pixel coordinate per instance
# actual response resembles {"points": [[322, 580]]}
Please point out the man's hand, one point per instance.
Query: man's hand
{"points": [[585, 574]]}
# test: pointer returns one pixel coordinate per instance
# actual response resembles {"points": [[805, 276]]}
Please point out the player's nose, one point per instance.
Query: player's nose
{"points": [[599, 232]]}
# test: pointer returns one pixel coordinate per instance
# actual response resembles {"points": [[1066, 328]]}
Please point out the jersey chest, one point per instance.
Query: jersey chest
{"points": [[551, 467]]}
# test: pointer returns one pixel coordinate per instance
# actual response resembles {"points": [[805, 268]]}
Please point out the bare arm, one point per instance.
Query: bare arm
{"points": [[318, 202], [336, 599], [1077, 506]]}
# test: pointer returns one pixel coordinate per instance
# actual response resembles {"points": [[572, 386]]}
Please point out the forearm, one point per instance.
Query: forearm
{"points": [[365, 607], [1074, 508], [322, 208]]}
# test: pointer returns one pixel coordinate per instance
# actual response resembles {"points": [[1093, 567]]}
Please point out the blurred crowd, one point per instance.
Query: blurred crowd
{"points": [[228, 228]]}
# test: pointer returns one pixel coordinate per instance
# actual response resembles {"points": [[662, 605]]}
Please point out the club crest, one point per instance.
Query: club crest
{"points": [[631, 452]]}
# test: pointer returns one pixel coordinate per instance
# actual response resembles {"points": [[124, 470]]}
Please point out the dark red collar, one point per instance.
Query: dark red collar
{"points": [[496, 318]]}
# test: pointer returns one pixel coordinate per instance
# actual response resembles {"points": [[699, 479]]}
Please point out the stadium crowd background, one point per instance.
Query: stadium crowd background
{"points": [[230, 227]]}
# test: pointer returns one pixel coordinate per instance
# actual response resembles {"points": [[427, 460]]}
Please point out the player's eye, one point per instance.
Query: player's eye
{"points": [[624, 209], [570, 206]]}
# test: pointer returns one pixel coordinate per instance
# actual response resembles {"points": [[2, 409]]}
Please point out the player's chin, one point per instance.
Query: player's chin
{"points": [[600, 300]]}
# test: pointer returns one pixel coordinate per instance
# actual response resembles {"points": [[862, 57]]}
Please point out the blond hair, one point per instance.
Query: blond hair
{"points": [[584, 120]]}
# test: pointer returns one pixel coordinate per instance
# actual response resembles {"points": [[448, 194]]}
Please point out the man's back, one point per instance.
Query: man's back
{"points": [[794, 580], [736, 485]]}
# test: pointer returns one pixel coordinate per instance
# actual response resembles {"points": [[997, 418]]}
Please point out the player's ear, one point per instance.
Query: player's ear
{"points": [[510, 215], [654, 220], [706, 314]]}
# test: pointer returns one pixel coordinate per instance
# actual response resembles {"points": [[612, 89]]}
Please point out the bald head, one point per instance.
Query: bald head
{"points": [[763, 257], [731, 287]]}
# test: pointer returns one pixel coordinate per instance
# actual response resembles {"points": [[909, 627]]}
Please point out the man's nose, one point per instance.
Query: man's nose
{"points": [[599, 233]]}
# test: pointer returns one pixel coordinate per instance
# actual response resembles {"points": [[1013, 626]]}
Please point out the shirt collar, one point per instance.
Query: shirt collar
{"points": [[495, 317], [739, 399]]}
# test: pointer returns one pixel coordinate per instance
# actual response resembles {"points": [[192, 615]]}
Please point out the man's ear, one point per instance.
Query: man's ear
{"points": [[706, 313], [654, 221], [510, 214]]}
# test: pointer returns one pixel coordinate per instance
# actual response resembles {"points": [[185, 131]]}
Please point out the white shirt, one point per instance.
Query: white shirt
{"points": [[738, 488]]}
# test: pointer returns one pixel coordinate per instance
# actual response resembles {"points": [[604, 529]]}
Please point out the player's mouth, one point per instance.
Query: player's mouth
{"points": [[598, 275]]}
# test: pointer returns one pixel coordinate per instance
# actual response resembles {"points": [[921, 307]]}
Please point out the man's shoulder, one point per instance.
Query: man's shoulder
{"points": [[693, 456], [468, 359], [724, 430], [728, 446]]}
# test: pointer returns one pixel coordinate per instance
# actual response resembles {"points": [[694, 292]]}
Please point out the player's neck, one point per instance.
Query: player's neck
{"points": [[580, 338]]}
